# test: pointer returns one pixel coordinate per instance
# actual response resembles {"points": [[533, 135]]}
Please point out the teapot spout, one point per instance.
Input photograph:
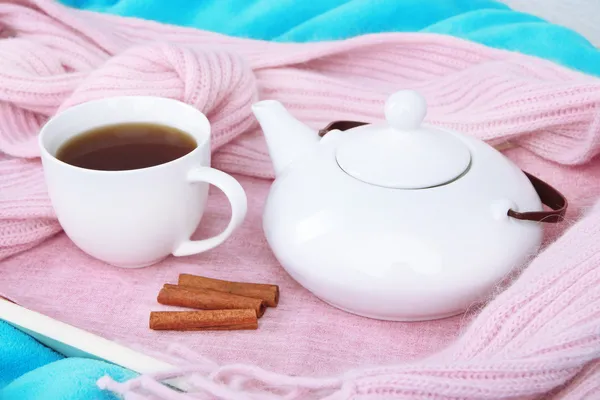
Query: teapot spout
{"points": [[287, 138]]}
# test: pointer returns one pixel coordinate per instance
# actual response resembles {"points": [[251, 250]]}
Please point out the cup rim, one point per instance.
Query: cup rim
{"points": [[52, 157]]}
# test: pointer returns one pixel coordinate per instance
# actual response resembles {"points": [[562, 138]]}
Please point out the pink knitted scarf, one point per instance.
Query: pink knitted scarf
{"points": [[539, 337]]}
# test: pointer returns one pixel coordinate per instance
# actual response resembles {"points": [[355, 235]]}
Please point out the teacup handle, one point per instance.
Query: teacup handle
{"points": [[239, 206]]}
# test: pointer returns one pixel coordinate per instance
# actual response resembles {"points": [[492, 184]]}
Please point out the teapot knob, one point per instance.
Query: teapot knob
{"points": [[405, 110]]}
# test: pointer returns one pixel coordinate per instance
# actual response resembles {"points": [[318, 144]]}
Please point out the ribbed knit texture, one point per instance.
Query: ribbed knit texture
{"points": [[527, 343], [539, 335], [539, 331], [534, 337]]}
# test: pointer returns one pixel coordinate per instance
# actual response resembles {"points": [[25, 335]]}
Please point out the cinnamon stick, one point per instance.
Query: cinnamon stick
{"points": [[206, 299], [266, 292], [205, 320]]}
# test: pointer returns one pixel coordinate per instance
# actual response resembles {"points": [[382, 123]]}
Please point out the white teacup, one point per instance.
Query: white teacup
{"points": [[135, 218]]}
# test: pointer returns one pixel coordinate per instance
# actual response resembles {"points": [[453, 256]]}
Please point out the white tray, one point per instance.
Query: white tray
{"points": [[74, 342]]}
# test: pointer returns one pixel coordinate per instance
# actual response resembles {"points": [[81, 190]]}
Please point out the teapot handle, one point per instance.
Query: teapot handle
{"points": [[340, 126], [549, 196]]}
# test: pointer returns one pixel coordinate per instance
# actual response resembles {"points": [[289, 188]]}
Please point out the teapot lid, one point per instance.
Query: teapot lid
{"points": [[403, 154]]}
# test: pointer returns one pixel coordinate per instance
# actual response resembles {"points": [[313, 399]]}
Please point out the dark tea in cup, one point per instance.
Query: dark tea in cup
{"points": [[126, 146]]}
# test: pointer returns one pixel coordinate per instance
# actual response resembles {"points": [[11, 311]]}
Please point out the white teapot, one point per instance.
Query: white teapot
{"points": [[398, 221]]}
